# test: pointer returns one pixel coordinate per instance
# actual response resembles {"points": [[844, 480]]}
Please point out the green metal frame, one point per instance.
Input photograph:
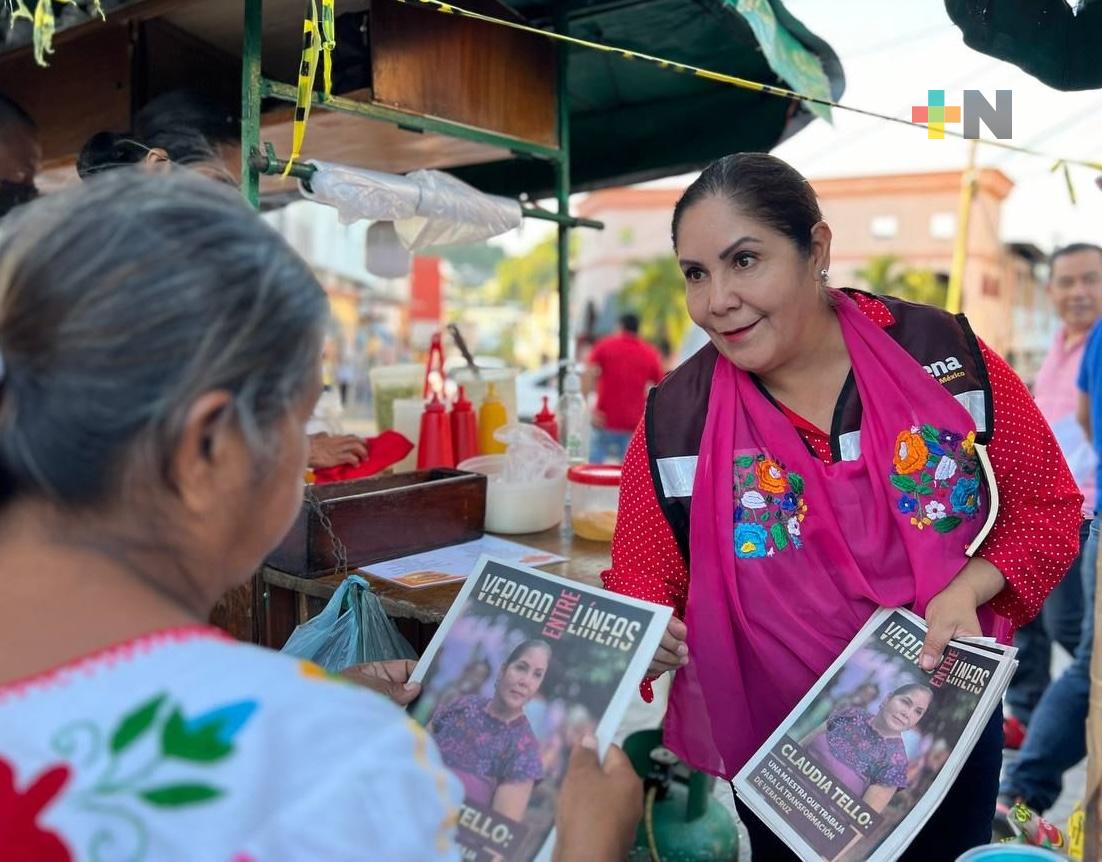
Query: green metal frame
{"points": [[254, 161]]}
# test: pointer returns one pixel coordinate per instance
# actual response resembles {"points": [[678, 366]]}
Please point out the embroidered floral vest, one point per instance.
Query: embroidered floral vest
{"points": [[942, 343]]}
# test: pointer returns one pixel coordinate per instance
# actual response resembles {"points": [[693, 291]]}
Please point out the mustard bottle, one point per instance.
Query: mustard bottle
{"points": [[491, 416]]}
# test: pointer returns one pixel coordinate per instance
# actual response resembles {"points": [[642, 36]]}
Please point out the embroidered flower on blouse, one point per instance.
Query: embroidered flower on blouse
{"points": [[935, 511], [965, 495], [20, 831], [750, 541], [943, 480], [768, 499], [911, 452], [969, 443], [771, 477], [752, 500]]}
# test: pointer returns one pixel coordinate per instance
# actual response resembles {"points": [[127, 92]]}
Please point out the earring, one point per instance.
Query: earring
{"points": [[823, 274]]}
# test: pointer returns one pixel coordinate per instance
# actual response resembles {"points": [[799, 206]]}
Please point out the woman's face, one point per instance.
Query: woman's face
{"points": [[521, 680], [262, 501], [749, 287], [903, 711]]}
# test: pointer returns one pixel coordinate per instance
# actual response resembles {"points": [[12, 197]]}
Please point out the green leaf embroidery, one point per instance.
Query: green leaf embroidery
{"points": [[933, 461], [930, 433], [761, 456], [765, 517], [178, 795], [136, 723], [904, 483], [926, 478], [780, 536], [744, 461], [925, 490], [796, 483], [944, 525], [201, 746]]}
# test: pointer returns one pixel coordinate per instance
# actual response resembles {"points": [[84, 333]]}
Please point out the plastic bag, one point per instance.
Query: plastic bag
{"points": [[352, 629], [530, 454]]}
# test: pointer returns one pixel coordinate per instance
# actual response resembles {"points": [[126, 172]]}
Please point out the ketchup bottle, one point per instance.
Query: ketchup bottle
{"points": [[434, 447], [545, 419], [464, 428]]}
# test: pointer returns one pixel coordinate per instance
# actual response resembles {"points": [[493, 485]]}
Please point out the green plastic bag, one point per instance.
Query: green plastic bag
{"points": [[352, 629]]}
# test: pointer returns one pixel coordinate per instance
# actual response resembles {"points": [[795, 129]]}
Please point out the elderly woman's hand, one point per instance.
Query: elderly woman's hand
{"points": [[952, 613], [390, 678], [672, 652], [599, 806]]}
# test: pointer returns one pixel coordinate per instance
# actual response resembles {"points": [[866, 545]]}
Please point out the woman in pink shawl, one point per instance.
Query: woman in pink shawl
{"points": [[822, 457]]}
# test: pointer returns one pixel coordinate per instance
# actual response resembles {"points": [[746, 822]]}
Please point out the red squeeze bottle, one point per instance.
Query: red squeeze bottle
{"points": [[434, 447], [464, 428], [545, 419]]}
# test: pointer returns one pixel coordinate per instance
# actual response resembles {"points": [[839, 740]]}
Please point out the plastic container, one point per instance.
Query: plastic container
{"points": [[434, 445], [407, 422], [1009, 853], [504, 380], [594, 499], [464, 428], [573, 415], [521, 507], [491, 416], [388, 384], [545, 419]]}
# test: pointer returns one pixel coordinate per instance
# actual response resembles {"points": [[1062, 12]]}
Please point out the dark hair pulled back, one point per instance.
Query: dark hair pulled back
{"points": [[122, 301], [764, 187]]}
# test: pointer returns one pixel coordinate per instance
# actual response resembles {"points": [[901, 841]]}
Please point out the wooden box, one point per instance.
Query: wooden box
{"points": [[380, 518]]}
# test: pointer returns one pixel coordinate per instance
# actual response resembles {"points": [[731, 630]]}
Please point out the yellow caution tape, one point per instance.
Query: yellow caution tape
{"points": [[43, 22], [317, 40]]}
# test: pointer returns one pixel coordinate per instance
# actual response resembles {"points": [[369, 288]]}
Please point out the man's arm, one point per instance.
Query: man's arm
{"points": [[1083, 413]]}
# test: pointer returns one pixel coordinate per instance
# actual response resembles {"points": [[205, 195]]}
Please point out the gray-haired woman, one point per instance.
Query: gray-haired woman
{"points": [[160, 351]]}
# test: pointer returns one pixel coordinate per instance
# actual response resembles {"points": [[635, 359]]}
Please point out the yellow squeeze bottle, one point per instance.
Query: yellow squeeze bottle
{"points": [[491, 416]]}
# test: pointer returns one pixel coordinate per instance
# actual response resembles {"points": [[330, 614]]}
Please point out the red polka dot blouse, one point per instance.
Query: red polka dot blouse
{"points": [[1033, 542]]}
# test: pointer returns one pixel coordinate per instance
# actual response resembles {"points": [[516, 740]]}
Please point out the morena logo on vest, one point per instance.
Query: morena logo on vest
{"points": [[999, 118], [943, 368]]}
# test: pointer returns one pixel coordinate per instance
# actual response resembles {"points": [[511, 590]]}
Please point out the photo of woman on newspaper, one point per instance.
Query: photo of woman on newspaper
{"points": [[488, 742], [865, 750]]}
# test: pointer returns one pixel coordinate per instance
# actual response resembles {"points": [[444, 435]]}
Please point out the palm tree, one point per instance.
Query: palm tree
{"points": [[887, 274], [657, 294]]}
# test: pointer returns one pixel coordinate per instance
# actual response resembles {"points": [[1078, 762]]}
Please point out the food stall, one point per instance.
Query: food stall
{"points": [[533, 118]]}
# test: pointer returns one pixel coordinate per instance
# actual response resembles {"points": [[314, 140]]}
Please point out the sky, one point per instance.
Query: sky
{"points": [[892, 53]]}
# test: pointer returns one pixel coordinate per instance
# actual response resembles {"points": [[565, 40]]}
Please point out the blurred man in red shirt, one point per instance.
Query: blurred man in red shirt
{"points": [[625, 367]]}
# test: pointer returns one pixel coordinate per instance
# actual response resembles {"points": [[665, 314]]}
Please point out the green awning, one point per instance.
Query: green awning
{"points": [[631, 121]]}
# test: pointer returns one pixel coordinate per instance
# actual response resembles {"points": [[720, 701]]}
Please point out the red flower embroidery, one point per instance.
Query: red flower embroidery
{"points": [[21, 839]]}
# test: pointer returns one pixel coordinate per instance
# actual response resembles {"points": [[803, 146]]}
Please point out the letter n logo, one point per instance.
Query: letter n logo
{"points": [[998, 119]]}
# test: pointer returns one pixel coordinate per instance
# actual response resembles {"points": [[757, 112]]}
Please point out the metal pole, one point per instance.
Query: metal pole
{"points": [[955, 294], [250, 99], [562, 193]]}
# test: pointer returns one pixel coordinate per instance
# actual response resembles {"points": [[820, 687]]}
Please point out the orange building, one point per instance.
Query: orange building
{"points": [[912, 217]]}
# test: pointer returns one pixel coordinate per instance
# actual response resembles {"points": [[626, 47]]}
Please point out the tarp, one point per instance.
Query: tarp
{"points": [[631, 122], [1049, 39]]}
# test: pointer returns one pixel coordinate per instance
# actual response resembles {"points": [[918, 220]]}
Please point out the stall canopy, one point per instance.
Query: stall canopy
{"points": [[628, 120], [1049, 39]]}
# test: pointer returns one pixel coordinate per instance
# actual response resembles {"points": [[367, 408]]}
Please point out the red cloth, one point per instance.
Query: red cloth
{"points": [[1030, 543], [627, 365], [388, 448]]}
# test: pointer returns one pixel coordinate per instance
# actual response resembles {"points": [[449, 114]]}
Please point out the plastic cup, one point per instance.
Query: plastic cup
{"points": [[1008, 853], [388, 384]]}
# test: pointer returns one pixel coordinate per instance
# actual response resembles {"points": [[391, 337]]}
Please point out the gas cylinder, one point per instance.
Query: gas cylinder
{"points": [[682, 821]]}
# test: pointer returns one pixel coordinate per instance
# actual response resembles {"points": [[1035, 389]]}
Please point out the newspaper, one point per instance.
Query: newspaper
{"points": [[524, 666], [865, 758]]}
